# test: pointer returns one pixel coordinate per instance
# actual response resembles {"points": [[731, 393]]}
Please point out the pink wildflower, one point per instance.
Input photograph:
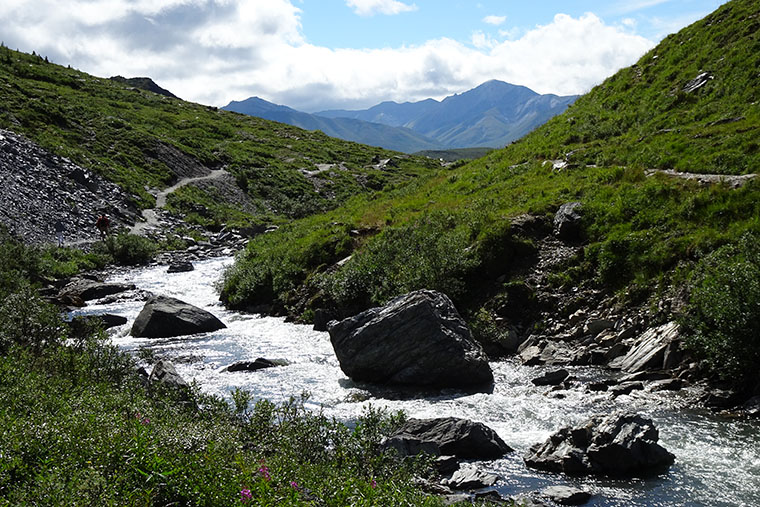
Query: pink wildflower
{"points": [[373, 483], [264, 471], [245, 495], [294, 485]]}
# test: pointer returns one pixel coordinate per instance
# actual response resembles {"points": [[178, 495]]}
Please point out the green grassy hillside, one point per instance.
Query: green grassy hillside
{"points": [[137, 138], [642, 234]]}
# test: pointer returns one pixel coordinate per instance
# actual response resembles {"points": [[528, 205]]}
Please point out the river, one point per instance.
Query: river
{"points": [[717, 459]]}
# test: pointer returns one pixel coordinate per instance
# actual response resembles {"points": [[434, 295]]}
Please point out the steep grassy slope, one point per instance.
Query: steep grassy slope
{"points": [[690, 104], [458, 230], [137, 138]]}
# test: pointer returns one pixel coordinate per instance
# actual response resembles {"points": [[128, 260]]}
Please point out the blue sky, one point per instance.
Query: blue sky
{"points": [[333, 23], [322, 54]]}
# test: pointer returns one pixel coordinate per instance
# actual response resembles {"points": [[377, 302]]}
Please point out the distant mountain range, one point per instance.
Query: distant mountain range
{"points": [[491, 115]]}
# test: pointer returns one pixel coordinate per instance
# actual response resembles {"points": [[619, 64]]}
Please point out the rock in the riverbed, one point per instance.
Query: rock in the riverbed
{"points": [[621, 444], [566, 495], [552, 378], [181, 266], [471, 477], [166, 375], [164, 317], [259, 364], [416, 339], [92, 289], [447, 436], [657, 348]]}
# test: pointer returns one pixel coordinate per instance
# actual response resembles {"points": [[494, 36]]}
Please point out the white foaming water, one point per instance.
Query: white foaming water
{"points": [[717, 459]]}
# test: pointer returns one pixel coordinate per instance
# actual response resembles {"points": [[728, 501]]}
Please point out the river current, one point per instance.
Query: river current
{"points": [[717, 458]]}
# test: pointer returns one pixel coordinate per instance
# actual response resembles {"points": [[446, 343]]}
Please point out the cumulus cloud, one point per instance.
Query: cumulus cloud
{"points": [[372, 7], [495, 20], [215, 51]]}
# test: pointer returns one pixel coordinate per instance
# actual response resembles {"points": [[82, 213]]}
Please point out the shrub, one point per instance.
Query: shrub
{"points": [[432, 252], [29, 322], [128, 249], [722, 317]]}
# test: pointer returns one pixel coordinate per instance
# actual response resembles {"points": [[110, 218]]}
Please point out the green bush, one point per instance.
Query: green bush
{"points": [[29, 322], [722, 318], [128, 249], [433, 252]]}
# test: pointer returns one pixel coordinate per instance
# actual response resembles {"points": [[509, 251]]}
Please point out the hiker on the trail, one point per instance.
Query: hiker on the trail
{"points": [[59, 229], [103, 224]]}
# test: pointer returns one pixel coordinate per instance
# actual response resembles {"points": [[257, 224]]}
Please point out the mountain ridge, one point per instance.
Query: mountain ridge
{"points": [[492, 115], [348, 129]]}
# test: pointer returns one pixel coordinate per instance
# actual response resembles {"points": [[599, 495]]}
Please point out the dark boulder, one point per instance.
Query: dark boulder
{"points": [[180, 267], [321, 319], [552, 378], [621, 445], [166, 375], [80, 326], [448, 436], [416, 339], [259, 364], [164, 317], [567, 221]]}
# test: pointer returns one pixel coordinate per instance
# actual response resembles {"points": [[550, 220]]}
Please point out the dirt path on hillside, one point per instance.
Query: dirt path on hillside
{"points": [[733, 181], [151, 215]]}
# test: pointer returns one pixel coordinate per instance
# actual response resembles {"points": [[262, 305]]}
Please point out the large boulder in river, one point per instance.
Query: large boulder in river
{"points": [[164, 317], [416, 339], [621, 445], [447, 436]]}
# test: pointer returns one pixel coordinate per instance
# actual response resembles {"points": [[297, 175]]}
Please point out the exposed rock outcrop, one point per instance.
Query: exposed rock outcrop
{"points": [[621, 444], [657, 348], [448, 436], [567, 221], [164, 317], [416, 339]]}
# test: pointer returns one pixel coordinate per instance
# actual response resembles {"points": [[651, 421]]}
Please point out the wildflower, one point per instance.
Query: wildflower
{"points": [[294, 485], [373, 483], [264, 471], [245, 495], [145, 420]]}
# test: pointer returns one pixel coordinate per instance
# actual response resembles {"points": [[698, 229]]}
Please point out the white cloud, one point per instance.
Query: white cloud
{"points": [[483, 41], [214, 51], [495, 20], [372, 7]]}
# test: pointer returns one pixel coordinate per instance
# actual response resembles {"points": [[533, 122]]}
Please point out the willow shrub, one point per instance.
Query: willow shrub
{"points": [[723, 315]]}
